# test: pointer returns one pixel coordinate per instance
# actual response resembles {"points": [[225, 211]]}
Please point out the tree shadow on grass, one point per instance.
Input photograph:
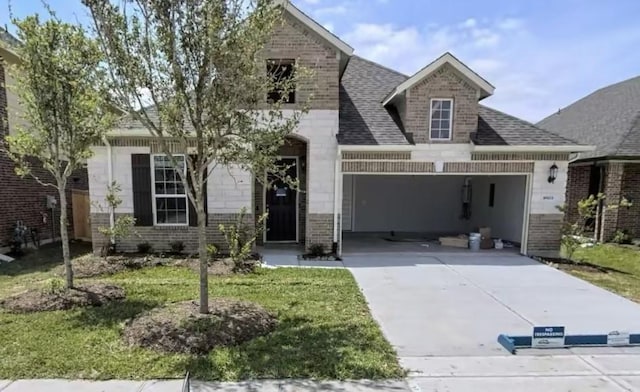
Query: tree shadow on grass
{"points": [[111, 314], [300, 348], [42, 259]]}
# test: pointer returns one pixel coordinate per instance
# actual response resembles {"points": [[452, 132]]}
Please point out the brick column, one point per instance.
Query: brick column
{"points": [[577, 189], [613, 191]]}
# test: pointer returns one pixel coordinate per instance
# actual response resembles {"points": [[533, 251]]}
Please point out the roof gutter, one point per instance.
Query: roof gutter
{"points": [[568, 148]]}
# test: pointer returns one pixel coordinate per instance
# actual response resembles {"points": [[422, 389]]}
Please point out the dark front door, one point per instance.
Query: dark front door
{"points": [[281, 203]]}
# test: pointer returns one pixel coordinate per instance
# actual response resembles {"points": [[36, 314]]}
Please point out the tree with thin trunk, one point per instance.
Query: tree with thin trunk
{"points": [[192, 72], [59, 84]]}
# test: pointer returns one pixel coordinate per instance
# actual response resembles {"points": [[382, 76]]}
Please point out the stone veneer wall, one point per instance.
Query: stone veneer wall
{"points": [[160, 236]]}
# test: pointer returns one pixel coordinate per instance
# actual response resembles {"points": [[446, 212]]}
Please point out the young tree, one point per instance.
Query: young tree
{"points": [[192, 73], [59, 84]]}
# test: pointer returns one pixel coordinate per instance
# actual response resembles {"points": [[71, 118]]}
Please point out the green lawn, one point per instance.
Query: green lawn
{"points": [[325, 329], [625, 259]]}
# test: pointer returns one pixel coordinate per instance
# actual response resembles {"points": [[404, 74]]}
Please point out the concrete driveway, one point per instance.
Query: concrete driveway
{"points": [[443, 313]]}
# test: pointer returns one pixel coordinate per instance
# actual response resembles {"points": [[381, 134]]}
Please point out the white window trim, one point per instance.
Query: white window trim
{"points": [[153, 192], [450, 117]]}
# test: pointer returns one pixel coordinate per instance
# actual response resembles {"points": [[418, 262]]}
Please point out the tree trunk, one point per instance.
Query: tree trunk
{"points": [[204, 257], [64, 237]]}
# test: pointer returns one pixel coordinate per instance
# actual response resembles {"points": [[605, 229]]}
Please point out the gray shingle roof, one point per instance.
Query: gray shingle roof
{"points": [[608, 118], [8, 38], [498, 128], [363, 119]]}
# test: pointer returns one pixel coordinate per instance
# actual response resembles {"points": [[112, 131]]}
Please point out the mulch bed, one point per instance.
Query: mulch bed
{"points": [[180, 328], [83, 295], [90, 266], [571, 265], [312, 257]]}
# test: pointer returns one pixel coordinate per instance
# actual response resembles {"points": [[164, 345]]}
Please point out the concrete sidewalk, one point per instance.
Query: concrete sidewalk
{"points": [[199, 386]]}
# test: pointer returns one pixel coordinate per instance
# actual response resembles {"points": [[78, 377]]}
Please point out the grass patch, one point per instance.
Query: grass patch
{"points": [[325, 330], [625, 259]]}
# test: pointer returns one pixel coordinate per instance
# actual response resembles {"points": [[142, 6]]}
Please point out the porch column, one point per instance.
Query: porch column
{"points": [[613, 192], [337, 205]]}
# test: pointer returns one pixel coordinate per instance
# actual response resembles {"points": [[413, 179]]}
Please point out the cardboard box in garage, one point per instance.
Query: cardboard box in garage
{"points": [[485, 237]]}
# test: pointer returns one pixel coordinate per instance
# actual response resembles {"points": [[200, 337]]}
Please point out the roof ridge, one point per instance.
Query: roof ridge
{"points": [[527, 122], [381, 66]]}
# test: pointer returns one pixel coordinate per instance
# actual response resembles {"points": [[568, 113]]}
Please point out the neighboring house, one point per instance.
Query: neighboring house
{"points": [[23, 199], [610, 120], [378, 152]]}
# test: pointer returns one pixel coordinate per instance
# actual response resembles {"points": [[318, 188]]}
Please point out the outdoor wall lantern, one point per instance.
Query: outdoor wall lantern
{"points": [[553, 173]]}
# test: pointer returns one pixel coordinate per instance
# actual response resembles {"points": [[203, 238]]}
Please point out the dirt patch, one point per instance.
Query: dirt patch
{"points": [[89, 266], [570, 265], [41, 300], [219, 267], [180, 328]]}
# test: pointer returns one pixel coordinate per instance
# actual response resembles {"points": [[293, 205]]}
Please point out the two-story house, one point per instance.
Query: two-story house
{"points": [[23, 199], [378, 152]]}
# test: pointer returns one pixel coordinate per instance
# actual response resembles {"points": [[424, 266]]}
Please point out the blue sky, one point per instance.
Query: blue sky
{"points": [[541, 55]]}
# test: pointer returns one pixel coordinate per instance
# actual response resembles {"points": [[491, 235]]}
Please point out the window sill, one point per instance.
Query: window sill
{"points": [[171, 227]]}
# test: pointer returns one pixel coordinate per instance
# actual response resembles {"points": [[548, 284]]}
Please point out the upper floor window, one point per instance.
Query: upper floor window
{"points": [[169, 198], [281, 70], [441, 118]]}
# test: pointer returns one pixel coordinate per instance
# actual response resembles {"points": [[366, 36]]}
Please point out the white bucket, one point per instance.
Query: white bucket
{"points": [[474, 241]]}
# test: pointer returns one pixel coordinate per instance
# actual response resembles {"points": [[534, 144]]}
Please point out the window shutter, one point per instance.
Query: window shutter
{"points": [[193, 214], [142, 196]]}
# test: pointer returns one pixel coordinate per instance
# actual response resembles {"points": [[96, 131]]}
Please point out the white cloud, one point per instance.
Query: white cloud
{"points": [[333, 10], [534, 76], [312, 1]]}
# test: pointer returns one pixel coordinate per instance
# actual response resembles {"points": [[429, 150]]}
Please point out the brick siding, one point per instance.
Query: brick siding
{"points": [[488, 167], [629, 218], [160, 236], [443, 83], [519, 156], [613, 191], [23, 198], [320, 230], [577, 189], [387, 167], [292, 40], [385, 155], [544, 234]]}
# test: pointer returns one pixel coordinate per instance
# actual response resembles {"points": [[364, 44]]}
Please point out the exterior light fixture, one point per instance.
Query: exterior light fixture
{"points": [[553, 173]]}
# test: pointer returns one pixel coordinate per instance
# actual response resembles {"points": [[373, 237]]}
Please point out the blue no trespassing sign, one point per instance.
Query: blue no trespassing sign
{"points": [[545, 337]]}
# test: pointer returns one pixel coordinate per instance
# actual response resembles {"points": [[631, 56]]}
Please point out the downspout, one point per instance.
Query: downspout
{"points": [[112, 218], [337, 204]]}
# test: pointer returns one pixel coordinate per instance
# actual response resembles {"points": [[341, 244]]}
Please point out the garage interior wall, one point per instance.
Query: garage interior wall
{"points": [[506, 215], [432, 204], [407, 203]]}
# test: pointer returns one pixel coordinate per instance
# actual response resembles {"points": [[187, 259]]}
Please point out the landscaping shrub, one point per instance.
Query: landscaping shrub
{"points": [[316, 250], [240, 238], [622, 237], [177, 247], [145, 247]]}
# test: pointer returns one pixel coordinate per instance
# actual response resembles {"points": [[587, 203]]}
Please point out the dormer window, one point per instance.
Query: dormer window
{"points": [[441, 119], [281, 71]]}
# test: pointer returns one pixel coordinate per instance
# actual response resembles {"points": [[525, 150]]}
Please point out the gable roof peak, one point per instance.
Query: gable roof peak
{"points": [[315, 26], [485, 88]]}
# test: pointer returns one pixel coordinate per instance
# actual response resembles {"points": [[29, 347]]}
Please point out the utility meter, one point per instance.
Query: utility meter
{"points": [[51, 202]]}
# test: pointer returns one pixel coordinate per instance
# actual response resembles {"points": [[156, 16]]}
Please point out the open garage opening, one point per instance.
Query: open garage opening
{"points": [[412, 212]]}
